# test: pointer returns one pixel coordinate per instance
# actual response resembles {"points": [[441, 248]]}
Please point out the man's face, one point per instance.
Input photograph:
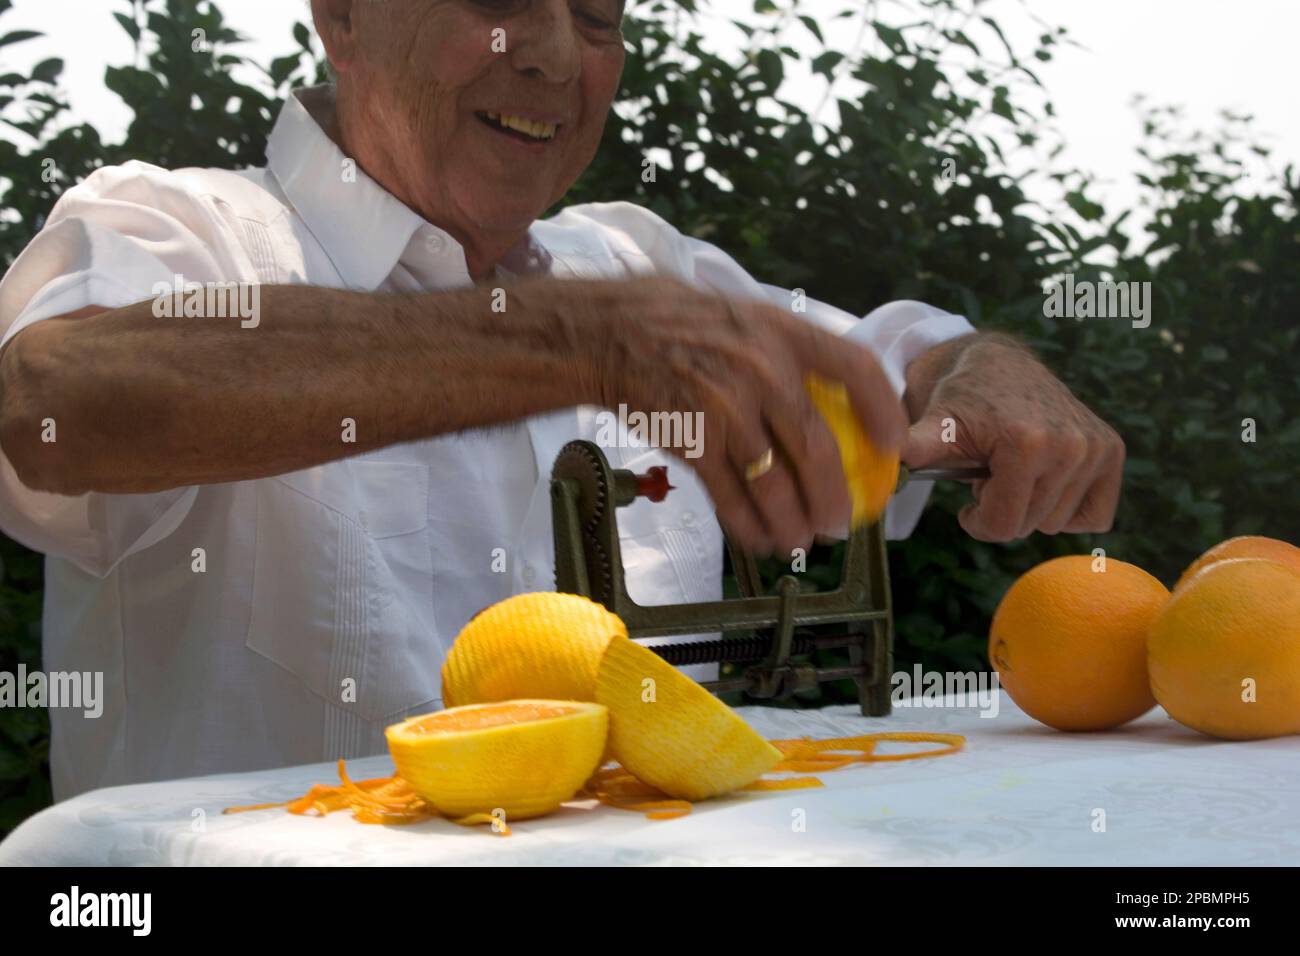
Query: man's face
{"points": [[484, 112]]}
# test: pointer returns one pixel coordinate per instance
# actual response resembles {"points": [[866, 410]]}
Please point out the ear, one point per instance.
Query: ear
{"points": [[334, 26]]}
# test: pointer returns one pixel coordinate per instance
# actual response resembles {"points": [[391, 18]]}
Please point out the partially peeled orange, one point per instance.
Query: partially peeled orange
{"points": [[872, 474], [542, 644]]}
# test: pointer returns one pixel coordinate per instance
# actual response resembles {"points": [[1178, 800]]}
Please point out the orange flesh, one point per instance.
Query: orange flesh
{"points": [[496, 715]]}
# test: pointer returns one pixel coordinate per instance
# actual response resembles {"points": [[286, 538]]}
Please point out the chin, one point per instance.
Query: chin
{"points": [[508, 216]]}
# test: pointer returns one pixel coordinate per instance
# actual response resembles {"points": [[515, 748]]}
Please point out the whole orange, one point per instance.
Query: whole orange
{"points": [[1224, 654], [1069, 642], [1246, 546]]}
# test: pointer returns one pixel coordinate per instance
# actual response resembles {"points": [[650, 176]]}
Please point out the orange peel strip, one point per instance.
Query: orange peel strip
{"points": [[616, 787], [666, 814], [257, 806], [665, 809], [803, 755], [381, 800], [393, 795], [385, 800], [390, 800]]}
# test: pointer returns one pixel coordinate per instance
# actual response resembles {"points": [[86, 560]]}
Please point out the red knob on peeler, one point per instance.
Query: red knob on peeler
{"points": [[654, 484]]}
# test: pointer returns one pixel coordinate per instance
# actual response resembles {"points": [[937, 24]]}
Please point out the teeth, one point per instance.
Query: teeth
{"points": [[541, 131]]}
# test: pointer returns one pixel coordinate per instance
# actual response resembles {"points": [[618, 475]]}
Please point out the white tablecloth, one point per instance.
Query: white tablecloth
{"points": [[1019, 794]]}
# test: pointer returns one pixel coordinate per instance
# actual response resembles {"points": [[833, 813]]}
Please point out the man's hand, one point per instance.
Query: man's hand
{"points": [[659, 345], [1055, 466]]}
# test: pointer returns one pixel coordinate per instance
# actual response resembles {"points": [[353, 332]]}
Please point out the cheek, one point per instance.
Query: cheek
{"points": [[441, 58], [601, 71], [460, 57], [605, 68]]}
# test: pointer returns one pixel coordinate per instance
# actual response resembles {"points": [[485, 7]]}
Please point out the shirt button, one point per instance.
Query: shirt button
{"points": [[436, 244], [688, 519], [530, 575]]}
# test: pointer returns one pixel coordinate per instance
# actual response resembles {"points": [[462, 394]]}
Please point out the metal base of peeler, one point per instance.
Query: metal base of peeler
{"points": [[585, 497]]}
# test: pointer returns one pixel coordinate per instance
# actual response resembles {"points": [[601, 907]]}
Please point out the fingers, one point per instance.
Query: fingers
{"points": [[769, 511], [810, 450], [767, 406], [736, 509], [775, 498], [925, 445], [1088, 499], [804, 491], [942, 439], [1067, 505], [1097, 511], [1065, 471], [1047, 483], [1002, 500]]}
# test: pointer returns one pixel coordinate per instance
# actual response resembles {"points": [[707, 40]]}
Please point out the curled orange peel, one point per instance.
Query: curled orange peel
{"points": [[390, 800]]}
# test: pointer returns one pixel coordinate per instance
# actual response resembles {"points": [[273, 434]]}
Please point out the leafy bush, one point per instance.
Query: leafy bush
{"points": [[864, 213], [907, 196]]}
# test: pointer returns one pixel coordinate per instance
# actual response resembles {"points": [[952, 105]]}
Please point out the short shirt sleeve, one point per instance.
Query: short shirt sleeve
{"points": [[109, 242]]}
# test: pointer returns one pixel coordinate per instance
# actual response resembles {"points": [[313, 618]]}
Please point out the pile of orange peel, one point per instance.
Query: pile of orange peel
{"points": [[390, 800]]}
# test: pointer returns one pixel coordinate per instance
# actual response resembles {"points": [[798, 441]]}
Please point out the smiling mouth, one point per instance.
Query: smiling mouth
{"points": [[519, 128]]}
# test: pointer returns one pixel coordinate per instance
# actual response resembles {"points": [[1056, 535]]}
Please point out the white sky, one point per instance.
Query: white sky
{"points": [[1207, 55]]}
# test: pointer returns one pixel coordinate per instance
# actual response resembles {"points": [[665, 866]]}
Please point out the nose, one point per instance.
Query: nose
{"points": [[544, 43]]}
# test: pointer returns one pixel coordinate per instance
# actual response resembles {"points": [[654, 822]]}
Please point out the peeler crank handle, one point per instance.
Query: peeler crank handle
{"points": [[941, 474], [654, 483]]}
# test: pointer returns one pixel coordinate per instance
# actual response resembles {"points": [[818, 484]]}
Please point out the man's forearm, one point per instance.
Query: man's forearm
{"points": [[142, 404]]}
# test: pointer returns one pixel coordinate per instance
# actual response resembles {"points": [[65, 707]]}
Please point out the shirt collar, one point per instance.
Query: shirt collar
{"points": [[362, 227]]}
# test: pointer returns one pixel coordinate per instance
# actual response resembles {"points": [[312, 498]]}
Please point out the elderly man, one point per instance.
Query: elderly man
{"points": [[266, 533]]}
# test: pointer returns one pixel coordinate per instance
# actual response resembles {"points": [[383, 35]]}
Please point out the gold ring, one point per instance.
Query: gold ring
{"points": [[757, 469]]}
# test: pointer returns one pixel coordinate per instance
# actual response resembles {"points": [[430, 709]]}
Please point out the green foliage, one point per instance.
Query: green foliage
{"points": [[903, 193], [189, 109], [863, 214]]}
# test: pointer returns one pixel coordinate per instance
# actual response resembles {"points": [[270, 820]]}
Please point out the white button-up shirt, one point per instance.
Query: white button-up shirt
{"points": [[322, 602]]}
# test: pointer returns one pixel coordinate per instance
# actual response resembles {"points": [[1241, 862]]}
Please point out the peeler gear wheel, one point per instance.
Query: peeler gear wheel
{"points": [[598, 568], [595, 496], [603, 568]]}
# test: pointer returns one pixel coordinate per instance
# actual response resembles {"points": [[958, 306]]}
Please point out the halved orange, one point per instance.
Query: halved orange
{"points": [[517, 758], [672, 733]]}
